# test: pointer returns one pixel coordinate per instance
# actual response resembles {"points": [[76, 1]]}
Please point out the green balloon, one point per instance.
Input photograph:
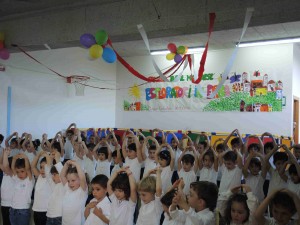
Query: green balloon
{"points": [[181, 50], [101, 37]]}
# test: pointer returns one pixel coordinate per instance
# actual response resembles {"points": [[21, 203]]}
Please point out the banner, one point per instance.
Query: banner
{"points": [[242, 91]]}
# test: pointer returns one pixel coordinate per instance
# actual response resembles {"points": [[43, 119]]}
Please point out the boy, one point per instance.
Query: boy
{"points": [[150, 159], [98, 210], [13, 144]]}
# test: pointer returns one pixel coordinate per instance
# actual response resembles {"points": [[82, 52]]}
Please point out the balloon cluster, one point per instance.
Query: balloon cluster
{"points": [[4, 54], [176, 53], [97, 46]]}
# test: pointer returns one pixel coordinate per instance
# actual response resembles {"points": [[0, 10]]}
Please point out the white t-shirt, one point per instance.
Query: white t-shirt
{"points": [[150, 213], [69, 153], [203, 217], [149, 165], [166, 176], [90, 166], [105, 207], [208, 174], [135, 167], [73, 206], [30, 156], [42, 194], [272, 221], [230, 178], [256, 183], [103, 167], [188, 178], [14, 152], [275, 181], [8, 184], [121, 211], [55, 203], [22, 193], [79, 161], [177, 154], [291, 186], [170, 221]]}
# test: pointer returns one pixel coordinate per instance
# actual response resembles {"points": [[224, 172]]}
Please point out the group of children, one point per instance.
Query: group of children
{"points": [[73, 179]]}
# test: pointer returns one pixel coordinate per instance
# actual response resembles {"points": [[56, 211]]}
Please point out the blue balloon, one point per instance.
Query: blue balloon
{"points": [[109, 55], [87, 40]]}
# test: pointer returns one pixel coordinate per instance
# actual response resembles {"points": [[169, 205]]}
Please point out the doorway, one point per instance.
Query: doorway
{"points": [[296, 121]]}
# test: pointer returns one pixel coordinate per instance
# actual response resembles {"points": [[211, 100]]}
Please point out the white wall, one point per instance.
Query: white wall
{"points": [[270, 59], [296, 70], [43, 102]]}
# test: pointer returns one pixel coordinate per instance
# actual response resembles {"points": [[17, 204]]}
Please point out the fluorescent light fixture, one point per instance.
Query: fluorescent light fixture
{"points": [[269, 42], [191, 50]]}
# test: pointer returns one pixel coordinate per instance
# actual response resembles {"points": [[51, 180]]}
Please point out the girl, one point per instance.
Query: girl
{"points": [[237, 208], [149, 160], [208, 166], [42, 188], [150, 192], [121, 188], [165, 158], [177, 153], [73, 179], [28, 147], [103, 157]]}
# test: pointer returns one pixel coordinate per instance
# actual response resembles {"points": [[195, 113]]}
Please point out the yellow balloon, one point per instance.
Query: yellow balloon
{"points": [[170, 56], [1, 36], [186, 50], [96, 51]]}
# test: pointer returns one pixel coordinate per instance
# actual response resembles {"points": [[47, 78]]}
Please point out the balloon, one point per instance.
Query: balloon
{"points": [[181, 50], [1, 36], [1, 44], [101, 37], [170, 56], [109, 55], [4, 54], [96, 51], [87, 40], [177, 58], [172, 47], [186, 50]]}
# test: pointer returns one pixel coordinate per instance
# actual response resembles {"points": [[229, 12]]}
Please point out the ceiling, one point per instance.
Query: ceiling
{"points": [[59, 23]]}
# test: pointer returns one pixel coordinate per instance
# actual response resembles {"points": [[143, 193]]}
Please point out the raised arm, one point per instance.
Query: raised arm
{"points": [[124, 146], [158, 183], [34, 169], [172, 163], [6, 167], [196, 163], [228, 137], [63, 173], [179, 165], [247, 163], [10, 137], [132, 183]]}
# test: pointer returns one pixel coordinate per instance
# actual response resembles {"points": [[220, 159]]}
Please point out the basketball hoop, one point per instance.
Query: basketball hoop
{"points": [[2, 67], [79, 82]]}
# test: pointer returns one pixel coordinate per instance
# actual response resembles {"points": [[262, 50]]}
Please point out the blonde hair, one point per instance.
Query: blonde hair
{"points": [[148, 184]]}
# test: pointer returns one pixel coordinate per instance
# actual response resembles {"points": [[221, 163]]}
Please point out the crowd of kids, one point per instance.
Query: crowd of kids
{"points": [[88, 178]]}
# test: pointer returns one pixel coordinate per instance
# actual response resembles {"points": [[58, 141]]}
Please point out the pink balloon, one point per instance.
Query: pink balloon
{"points": [[172, 47], [4, 54]]}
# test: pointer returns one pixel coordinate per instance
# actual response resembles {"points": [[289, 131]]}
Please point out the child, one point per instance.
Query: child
{"points": [[231, 166], [98, 210], [208, 166], [89, 160], [54, 209], [283, 203], [165, 158], [68, 147], [150, 192], [219, 148], [121, 188], [13, 144], [103, 157], [57, 145], [177, 152], [236, 207], [23, 186], [296, 151], [188, 166], [42, 188], [236, 143], [149, 160], [117, 158], [201, 203], [73, 179], [253, 175]]}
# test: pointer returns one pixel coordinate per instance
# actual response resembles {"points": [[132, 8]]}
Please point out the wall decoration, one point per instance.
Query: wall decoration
{"points": [[240, 92]]}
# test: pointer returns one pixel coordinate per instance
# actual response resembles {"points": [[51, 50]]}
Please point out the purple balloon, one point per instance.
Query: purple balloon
{"points": [[4, 54], [87, 40], [177, 58]]}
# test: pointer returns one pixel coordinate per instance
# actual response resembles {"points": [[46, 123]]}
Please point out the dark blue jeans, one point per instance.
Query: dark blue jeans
{"points": [[19, 216], [54, 221]]}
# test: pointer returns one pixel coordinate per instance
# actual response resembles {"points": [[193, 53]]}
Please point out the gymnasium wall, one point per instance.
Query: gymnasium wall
{"points": [[43, 102], [277, 60], [296, 70]]}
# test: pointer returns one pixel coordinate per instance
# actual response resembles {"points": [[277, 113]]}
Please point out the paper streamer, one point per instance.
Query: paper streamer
{"points": [[233, 56]]}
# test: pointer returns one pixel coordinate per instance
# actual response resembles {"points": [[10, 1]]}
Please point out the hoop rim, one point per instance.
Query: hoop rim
{"points": [[77, 78]]}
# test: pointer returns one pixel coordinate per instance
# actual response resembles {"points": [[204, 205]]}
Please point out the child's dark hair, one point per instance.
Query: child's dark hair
{"points": [[53, 170], [207, 191], [167, 198], [70, 132], [240, 198], [72, 170], [90, 146], [210, 154], [268, 145], [1, 138], [103, 150], [141, 138], [36, 143], [235, 141], [122, 182], [56, 145], [159, 139], [253, 145], [255, 161], [152, 147], [280, 156], [14, 140], [43, 160], [220, 147], [284, 200], [230, 156], [293, 170], [204, 143], [188, 159], [20, 163], [132, 147], [100, 179], [165, 154]]}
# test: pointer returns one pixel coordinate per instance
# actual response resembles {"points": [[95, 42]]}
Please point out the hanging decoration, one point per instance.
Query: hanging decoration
{"points": [[176, 54], [4, 53]]}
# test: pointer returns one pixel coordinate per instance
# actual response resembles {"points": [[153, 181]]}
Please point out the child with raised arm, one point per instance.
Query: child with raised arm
{"points": [[236, 143], [201, 203], [28, 147], [23, 186], [57, 145], [283, 204], [121, 188], [68, 147], [166, 161], [150, 192], [208, 166], [188, 166], [12, 141], [89, 160], [133, 155], [98, 210], [74, 181], [149, 160], [177, 152], [42, 188], [103, 158]]}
